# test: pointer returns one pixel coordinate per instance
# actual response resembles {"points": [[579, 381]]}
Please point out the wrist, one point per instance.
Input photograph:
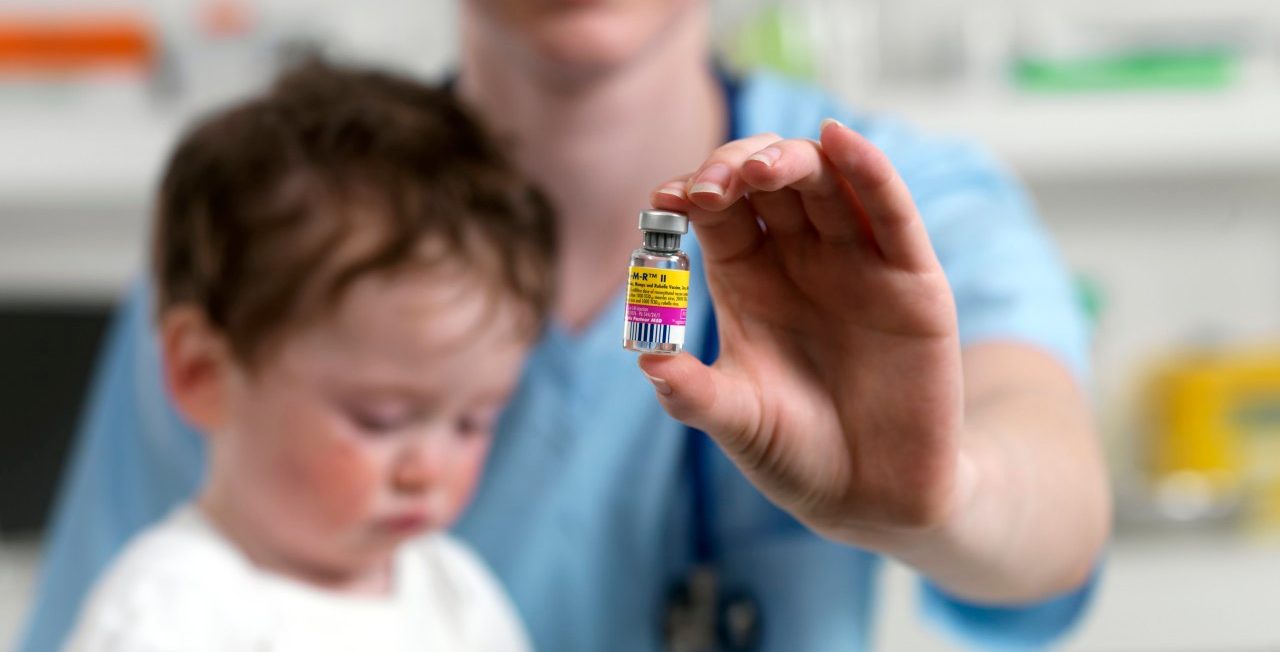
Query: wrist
{"points": [[968, 550], [943, 529]]}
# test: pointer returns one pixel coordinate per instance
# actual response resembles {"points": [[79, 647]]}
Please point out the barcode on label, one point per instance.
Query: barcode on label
{"points": [[655, 333]]}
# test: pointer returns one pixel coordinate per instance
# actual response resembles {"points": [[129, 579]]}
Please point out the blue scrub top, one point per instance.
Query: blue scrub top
{"points": [[585, 509]]}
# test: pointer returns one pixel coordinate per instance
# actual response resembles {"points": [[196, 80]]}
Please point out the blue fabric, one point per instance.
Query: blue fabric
{"points": [[995, 627], [133, 461], [585, 508]]}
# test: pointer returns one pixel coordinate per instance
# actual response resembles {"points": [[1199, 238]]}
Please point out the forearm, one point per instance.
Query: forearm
{"points": [[1032, 509], [1038, 513]]}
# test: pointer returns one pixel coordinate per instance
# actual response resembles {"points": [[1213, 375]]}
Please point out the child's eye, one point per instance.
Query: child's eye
{"points": [[380, 422], [471, 425]]}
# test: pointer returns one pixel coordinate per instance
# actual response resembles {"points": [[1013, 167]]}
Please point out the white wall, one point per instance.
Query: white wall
{"points": [[1181, 261]]}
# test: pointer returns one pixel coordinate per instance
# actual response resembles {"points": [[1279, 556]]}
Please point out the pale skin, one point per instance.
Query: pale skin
{"points": [[842, 390], [354, 431]]}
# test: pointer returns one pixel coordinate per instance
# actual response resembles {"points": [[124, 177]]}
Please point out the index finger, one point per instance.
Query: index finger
{"points": [[828, 204], [726, 235], [718, 182]]}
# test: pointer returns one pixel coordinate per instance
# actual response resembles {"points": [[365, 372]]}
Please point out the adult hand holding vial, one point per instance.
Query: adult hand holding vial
{"points": [[840, 390]]}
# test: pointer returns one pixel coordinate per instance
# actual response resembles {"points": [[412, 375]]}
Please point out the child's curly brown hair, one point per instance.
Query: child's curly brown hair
{"points": [[270, 209]]}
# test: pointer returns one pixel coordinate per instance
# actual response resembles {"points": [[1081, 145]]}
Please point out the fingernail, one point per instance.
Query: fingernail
{"points": [[768, 156], [659, 384], [673, 189], [713, 180], [830, 121]]}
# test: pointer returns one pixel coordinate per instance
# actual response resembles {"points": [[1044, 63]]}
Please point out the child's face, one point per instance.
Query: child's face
{"points": [[371, 425]]}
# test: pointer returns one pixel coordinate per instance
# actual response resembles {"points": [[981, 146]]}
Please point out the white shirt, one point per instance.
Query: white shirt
{"points": [[181, 586]]}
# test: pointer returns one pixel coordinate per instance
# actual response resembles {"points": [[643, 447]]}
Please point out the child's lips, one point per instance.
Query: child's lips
{"points": [[408, 523]]}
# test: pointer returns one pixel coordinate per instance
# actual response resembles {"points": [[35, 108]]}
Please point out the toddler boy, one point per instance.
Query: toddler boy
{"points": [[349, 275]]}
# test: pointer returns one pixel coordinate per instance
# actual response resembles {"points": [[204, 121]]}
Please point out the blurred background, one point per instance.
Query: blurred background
{"points": [[1148, 131]]}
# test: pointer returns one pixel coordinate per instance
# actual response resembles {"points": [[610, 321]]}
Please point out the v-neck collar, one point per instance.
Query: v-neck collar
{"points": [[563, 339]]}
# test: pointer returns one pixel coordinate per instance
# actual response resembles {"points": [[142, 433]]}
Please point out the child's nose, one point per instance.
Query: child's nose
{"points": [[420, 466]]}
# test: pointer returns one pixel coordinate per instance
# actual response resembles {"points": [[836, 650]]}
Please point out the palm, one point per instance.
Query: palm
{"points": [[838, 385]]}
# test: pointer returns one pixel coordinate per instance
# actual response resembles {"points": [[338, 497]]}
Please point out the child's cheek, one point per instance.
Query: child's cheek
{"points": [[340, 478], [467, 476]]}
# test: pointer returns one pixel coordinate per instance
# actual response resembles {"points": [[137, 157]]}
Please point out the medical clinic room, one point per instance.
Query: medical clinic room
{"points": [[639, 325]]}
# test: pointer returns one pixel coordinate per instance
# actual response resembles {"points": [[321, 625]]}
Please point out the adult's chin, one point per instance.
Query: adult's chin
{"points": [[592, 39], [568, 40]]}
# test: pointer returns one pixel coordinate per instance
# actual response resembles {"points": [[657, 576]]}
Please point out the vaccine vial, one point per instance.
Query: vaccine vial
{"points": [[658, 286]]}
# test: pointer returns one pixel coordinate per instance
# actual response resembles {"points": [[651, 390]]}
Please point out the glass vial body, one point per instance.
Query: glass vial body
{"points": [[656, 328]]}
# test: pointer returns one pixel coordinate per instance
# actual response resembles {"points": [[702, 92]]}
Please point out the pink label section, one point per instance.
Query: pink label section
{"points": [[656, 315]]}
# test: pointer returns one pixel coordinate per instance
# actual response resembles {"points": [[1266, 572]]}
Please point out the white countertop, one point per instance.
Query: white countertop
{"points": [[1187, 594], [1193, 595]]}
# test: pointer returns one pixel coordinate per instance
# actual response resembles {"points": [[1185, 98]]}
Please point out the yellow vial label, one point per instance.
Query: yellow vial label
{"points": [[663, 288]]}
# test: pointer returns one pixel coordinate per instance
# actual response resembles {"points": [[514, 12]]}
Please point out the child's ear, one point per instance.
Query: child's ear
{"points": [[197, 365]]}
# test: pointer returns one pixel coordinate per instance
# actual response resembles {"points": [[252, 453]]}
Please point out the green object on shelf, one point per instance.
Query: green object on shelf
{"points": [[1091, 298], [777, 38], [1147, 70]]}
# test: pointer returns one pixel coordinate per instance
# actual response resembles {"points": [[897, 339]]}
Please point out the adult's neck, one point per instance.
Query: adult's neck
{"points": [[597, 142]]}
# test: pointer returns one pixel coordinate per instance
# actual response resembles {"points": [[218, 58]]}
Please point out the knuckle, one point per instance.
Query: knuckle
{"points": [[876, 172], [921, 514], [920, 510]]}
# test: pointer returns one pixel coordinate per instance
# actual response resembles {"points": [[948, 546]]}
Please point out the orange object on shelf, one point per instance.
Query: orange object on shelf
{"points": [[226, 18], [58, 42]]}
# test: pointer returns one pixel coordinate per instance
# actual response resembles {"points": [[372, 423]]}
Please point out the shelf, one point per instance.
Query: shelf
{"points": [[78, 158], [87, 176], [75, 194], [1062, 138]]}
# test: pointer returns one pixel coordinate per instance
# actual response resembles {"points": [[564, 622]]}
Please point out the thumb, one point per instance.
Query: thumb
{"points": [[703, 397]]}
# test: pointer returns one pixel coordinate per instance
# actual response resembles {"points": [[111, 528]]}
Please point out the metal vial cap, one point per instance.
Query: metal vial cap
{"points": [[664, 222]]}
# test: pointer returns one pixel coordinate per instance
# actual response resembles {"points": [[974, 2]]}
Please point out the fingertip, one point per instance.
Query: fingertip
{"points": [[649, 363], [669, 198], [660, 385], [711, 187], [676, 370], [674, 189], [767, 157], [654, 364], [858, 158], [760, 176], [707, 199], [831, 124], [659, 371], [682, 385], [834, 133]]}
